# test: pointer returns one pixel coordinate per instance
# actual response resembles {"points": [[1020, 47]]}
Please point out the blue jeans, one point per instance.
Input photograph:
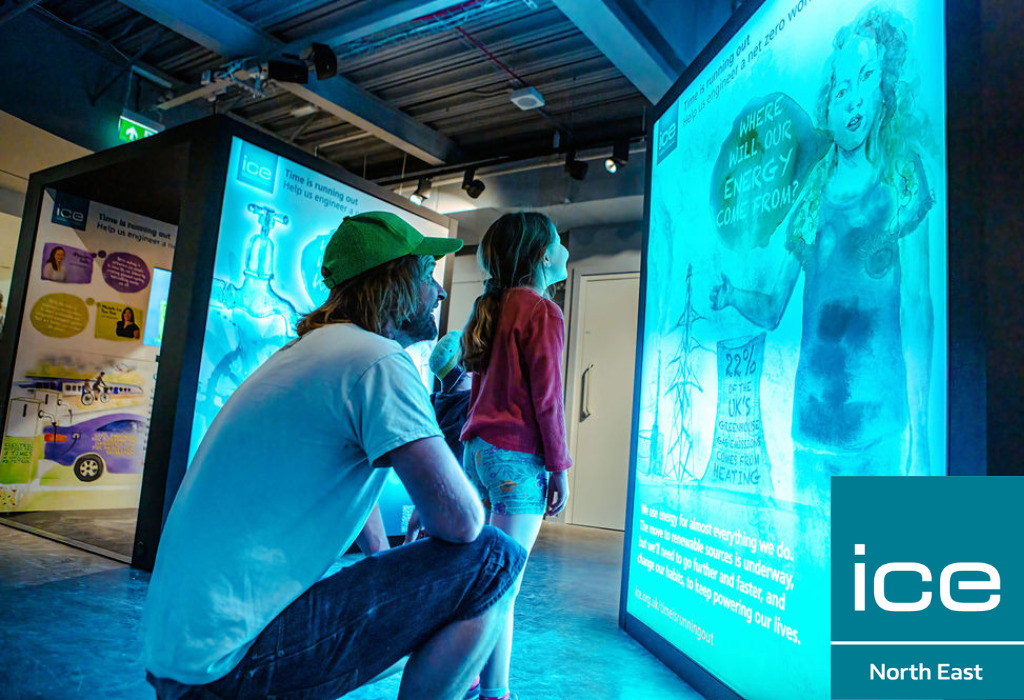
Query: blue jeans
{"points": [[350, 627]]}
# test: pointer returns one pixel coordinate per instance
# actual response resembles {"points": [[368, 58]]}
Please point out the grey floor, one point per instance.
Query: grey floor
{"points": [[111, 529], [68, 625]]}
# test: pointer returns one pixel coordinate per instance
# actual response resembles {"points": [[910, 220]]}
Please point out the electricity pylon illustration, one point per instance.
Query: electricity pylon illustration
{"points": [[683, 381]]}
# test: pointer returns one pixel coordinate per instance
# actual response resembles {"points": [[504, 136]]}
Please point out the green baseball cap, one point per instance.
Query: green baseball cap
{"points": [[365, 241]]}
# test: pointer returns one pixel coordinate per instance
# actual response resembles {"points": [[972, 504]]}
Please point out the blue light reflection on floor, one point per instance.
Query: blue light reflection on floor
{"points": [[69, 625]]}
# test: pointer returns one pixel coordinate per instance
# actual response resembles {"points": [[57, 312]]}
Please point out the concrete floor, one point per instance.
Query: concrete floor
{"points": [[112, 530], [68, 625]]}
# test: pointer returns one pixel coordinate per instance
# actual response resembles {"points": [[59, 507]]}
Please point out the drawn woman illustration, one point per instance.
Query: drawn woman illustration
{"points": [[53, 268], [859, 235]]}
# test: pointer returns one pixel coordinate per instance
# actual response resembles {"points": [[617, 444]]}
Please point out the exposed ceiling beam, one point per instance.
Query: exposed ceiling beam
{"points": [[370, 19], [208, 25], [377, 118], [232, 37], [78, 112], [624, 43]]}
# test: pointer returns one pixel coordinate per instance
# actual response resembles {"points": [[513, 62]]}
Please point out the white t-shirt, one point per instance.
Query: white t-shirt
{"points": [[280, 487], [52, 273]]}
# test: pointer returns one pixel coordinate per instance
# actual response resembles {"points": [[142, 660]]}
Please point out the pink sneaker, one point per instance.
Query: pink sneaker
{"points": [[474, 690]]}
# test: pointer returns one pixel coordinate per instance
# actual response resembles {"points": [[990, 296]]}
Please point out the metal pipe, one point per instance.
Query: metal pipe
{"points": [[493, 166]]}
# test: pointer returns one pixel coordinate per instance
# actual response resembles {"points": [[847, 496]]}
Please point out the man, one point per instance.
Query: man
{"points": [[288, 475], [98, 385]]}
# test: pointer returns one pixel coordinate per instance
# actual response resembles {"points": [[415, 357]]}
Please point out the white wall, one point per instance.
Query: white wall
{"points": [[24, 149], [9, 227], [599, 250], [27, 149], [467, 285], [594, 250]]}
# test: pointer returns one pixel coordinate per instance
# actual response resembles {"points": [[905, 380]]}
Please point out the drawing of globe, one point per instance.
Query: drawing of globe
{"points": [[310, 262]]}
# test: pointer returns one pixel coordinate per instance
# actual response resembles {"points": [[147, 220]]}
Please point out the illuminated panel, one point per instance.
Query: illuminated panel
{"points": [[157, 309], [275, 222], [794, 325]]}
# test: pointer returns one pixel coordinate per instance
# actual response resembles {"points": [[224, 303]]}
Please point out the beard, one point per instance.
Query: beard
{"points": [[418, 328]]}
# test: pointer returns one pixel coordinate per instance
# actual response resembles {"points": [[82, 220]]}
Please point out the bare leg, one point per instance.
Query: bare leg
{"points": [[444, 667], [523, 529]]}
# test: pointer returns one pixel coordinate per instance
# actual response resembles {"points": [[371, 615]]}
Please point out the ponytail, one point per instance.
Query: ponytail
{"points": [[510, 255], [479, 331]]}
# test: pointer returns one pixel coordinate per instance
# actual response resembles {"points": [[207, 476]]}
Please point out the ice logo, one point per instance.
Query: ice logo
{"points": [[69, 210], [258, 168], [668, 131]]}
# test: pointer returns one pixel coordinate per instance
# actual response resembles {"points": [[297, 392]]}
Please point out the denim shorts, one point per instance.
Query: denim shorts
{"points": [[348, 628], [509, 482]]}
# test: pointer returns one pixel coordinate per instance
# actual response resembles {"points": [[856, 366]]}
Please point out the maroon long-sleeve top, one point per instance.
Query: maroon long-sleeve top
{"points": [[516, 403]]}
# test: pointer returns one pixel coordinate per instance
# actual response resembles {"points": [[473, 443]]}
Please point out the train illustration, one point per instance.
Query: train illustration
{"points": [[77, 427], [86, 391]]}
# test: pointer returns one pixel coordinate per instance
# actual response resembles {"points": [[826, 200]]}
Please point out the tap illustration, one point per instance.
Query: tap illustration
{"points": [[248, 322], [256, 295]]}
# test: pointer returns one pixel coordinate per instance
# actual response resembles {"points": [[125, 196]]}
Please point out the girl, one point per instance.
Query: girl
{"points": [[859, 234], [516, 453]]}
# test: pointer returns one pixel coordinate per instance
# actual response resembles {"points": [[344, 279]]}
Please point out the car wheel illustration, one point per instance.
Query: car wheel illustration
{"points": [[88, 467]]}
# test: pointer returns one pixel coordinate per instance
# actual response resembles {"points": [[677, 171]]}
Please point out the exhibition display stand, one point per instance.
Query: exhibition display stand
{"points": [[811, 307], [150, 280]]}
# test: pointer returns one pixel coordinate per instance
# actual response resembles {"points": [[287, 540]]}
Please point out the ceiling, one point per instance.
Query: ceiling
{"points": [[422, 85]]}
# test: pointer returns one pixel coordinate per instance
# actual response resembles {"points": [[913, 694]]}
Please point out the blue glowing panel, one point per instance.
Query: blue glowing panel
{"points": [[276, 220], [157, 308], [794, 326]]}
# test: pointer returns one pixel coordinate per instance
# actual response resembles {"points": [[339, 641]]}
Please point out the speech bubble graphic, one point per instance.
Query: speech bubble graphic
{"points": [[125, 272], [59, 315], [761, 169]]}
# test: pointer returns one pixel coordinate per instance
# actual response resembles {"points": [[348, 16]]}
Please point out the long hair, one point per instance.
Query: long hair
{"points": [[53, 256], [510, 255], [901, 130], [383, 295]]}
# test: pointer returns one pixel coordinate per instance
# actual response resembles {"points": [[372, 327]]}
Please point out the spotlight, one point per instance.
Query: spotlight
{"points": [[422, 192], [473, 187], [324, 61], [577, 169], [288, 70], [619, 157]]}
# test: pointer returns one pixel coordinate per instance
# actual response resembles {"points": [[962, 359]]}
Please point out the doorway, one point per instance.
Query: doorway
{"points": [[600, 406]]}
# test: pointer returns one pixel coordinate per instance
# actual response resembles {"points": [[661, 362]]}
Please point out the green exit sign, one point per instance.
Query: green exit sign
{"points": [[129, 129]]}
